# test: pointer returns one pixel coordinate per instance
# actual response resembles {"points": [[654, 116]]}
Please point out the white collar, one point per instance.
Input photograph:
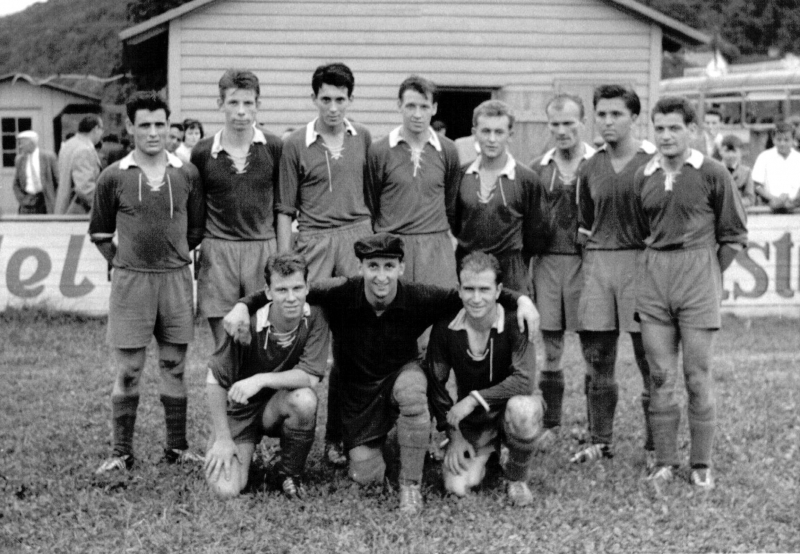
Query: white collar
{"points": [[216, 147], [433, 138], [459, 323], [509, 170], [695, 160], [128, 161], [550, 154], [262, 316], [312, 134], [647, 147]]}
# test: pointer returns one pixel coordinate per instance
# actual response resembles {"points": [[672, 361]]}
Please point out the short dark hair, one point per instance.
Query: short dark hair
{"points": [[628, 95], [193, 124], [675, 104], [285, 264], [478, 261], [240, 79], [438, 125], [145, 100], [178, 126], [88, 123], [715, 112], [559, 101], [493, 108], [334, 74], [731, 142], [419, 84], [782, 128]]}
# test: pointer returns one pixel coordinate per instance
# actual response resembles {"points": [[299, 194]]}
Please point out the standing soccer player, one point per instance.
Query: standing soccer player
{"points": [[414, 179], [613, 230], [239, 173], [153, 202], [557, 274], [322, 174], [499, 200], [696, 227]]}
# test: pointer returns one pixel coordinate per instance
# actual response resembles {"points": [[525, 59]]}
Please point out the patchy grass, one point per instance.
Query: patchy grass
{"points": [[55, 430]]}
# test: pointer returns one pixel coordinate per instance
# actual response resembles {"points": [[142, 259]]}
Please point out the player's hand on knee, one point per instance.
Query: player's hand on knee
{"points": [[527, 316], [219, 459], [459, 454], [237, 323], [242, 391]]}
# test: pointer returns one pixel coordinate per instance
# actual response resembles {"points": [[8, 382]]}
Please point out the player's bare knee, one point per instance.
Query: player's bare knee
{"points": [[302, 404], [523, 416]]}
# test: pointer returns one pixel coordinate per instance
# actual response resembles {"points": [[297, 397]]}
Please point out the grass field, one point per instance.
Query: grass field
{"points": [[55, 430]]}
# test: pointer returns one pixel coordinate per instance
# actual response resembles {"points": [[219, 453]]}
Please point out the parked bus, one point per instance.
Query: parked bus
{"points": [[751, 102]]}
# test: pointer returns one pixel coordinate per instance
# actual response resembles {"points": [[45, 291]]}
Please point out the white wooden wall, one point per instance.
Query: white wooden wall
{"points": [[530, 47]]}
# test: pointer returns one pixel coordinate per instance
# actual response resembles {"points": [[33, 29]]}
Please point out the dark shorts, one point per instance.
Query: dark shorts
{"points": [[228, 271], [430, 259], [484, 430], [683, 286], [245, 421], [143, 305], [329, 252], [608, 300], [557, 286]]}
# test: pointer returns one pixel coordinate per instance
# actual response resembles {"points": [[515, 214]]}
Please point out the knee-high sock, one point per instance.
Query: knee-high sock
{"points": [[520, 455], [702, 427], [644, 369], [665, 423], [123, 417], [175, 417], [600, 353], [552, 386], [295, 446]]}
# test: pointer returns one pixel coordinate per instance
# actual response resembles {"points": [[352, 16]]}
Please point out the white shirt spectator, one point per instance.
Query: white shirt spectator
{"points": [[779, 175]]}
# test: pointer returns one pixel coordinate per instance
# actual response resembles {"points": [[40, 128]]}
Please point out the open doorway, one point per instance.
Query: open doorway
{"points": [[455, 108]]}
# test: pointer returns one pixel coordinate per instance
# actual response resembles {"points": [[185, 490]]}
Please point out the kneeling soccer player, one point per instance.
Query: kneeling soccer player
{"points": [[495, 370], [697, 225], [265, 387]]}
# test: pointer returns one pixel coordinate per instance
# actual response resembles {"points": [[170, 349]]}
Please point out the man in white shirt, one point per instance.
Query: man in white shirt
{"points": [[776, 173]]}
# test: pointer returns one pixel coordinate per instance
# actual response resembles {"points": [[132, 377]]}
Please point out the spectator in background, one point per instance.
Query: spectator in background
{"points": [[776, 173], [35, 176], [712, 138], [192, 133], [741, 174], [440, 127], [78, 168], [794, 121], [174, 137]]}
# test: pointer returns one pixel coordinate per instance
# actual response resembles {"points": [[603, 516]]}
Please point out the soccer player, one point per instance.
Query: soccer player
{"points": [[266, 387], [498, 199], [696, 227], [557, 273], [495, 373], [322, 172], [712, 138], [153, 202], [376, 320], [612, 230], [414, 179], [239, 173], [776, 173]]}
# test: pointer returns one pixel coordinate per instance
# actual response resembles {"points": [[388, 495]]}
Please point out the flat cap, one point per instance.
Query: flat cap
{"points": [[382, 245]]}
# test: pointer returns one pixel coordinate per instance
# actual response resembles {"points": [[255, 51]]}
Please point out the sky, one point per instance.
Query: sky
{"points": [[13, 6]]}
